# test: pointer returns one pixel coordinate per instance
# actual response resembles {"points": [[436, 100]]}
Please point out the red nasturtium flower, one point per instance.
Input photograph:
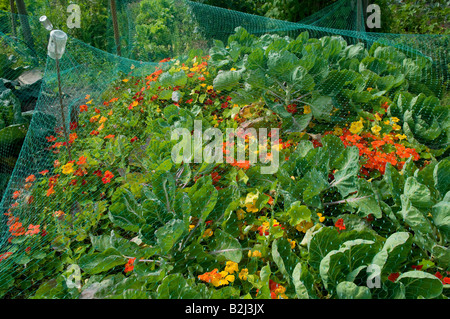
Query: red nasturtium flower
{"points": [[215, 177], [292, 108], [73, 126], [134, 139], [98, 173], [417, 267], [340, 224], [393, 277], [130, 265], [107, 178]]}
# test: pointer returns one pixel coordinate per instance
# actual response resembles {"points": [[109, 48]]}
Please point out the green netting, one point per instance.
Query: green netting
{"points": [[128, 184]]}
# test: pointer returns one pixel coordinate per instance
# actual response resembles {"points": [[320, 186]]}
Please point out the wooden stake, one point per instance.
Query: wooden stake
{"points": [[115, 26]]}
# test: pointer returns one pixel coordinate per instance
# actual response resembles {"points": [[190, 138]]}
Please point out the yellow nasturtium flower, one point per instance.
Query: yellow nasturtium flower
{"points": [[231, 267], [321, 217], [338, 131], [377, 117], [240, 214], [306, 109], [255, 253], [356, 127], [376, 129], [208, 233], [68, 169], [243, 274], [292, 242]]}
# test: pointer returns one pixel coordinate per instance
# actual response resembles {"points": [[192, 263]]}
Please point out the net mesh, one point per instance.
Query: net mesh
{"points": [[223, 155]]}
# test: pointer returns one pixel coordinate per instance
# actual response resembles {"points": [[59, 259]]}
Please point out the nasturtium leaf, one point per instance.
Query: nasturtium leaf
{"points": [[298, 213]]}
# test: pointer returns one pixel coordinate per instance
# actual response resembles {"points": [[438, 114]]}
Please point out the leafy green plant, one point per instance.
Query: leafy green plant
{"points": [[123, 220]]}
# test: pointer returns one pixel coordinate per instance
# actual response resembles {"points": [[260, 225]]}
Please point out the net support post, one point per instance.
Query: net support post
{"points": [[23, 17], [115, 26]]}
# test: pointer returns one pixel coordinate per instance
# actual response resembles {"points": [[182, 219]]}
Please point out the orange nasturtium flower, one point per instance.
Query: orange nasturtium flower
{"points": [[94, 118], [107, 178], [50, 191], [81, 160], [58, 213], [132, 105], [130, 265], [16, 229], [109, 136], [16, 194], [83, 108], [33, 230], [30, 179], [73, 137]]}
